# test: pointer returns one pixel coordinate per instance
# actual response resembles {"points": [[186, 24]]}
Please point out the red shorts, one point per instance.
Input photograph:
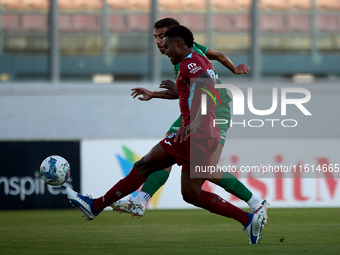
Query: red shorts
{"points": [[188, 153]]}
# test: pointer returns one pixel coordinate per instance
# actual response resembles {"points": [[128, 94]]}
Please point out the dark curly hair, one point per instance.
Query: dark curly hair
{"points": [[182, 32], [166, 22]]}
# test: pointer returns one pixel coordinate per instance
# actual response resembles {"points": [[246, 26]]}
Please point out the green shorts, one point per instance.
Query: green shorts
{"points": [[222, 112]]}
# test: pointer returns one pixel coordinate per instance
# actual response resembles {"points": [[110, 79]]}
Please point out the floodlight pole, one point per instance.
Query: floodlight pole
{"points": [[154, 61], [53, 43], [255, 51]]}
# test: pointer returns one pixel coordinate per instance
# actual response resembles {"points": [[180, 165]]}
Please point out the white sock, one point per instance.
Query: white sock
{"points": [[254, 203], [143, 197]]}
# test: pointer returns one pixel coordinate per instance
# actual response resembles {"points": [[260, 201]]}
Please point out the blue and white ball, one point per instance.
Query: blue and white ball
{"points": [[55, 170]]}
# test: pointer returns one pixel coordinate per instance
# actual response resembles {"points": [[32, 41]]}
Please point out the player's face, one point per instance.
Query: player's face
{"points": [[172, 50], [159, 35]]}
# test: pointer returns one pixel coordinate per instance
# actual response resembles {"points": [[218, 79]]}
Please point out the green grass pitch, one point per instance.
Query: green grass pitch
{"points": [[289, 231]]}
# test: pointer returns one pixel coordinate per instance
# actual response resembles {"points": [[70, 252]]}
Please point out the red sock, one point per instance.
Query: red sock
{"points": [[122, 188], [215, 204]]}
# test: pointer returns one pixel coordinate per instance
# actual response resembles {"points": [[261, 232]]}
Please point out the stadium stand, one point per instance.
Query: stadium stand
{"points": [[119, 4], [118, 24], [167, 5], [301, 4], [244, 4], [275, 5], [90, 4], [299, 23], [242, 22], [68, 5], [35, 23], [138, 22], [327, 23], [223, 23], [285, 25], [141, 5], [329, 4], [66, 24], [88, 23], [197, 5], [13, 5], [37, 4], [12, 23], [222, 5], [273, 23], [196, 22]]}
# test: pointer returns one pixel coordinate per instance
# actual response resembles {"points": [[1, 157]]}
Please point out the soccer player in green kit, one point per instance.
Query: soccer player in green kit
{"points": [[226, 180]]}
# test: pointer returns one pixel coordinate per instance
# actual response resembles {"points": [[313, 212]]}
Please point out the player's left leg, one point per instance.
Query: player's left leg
{"points": [[136, 206], [227, 180], [192, 193], [157, 179]]}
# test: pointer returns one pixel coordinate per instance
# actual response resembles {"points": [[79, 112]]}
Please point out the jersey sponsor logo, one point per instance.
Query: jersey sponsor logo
{"points": [[194, 68], [191, 66], [167, 142]]}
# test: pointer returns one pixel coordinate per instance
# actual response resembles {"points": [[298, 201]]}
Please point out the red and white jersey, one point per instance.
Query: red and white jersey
{"points": [[190, 95]]}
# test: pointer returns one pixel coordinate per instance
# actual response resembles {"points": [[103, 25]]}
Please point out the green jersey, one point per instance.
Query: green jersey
{"points": [[202, 50], [221, 111]]}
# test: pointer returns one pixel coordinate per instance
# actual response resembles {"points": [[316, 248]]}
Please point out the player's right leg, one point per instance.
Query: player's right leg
{"points": [[155, 160], [136, 206]]}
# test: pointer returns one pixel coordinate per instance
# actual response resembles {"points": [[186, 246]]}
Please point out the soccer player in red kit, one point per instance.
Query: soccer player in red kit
{"points": [[192, 145]]}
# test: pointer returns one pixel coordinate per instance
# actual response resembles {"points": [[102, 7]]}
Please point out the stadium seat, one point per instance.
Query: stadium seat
{"points": [[37, 4], [298, 23], [120, 4], [175, 16], [88, 23], [90, 4], [194, 5], [328, 4], [68, 5], [141, 5], [327, 23], [221, 5], [244, 4], [36, 23], [65, 23], [139, 22], [275, 5], [171, 5], [12, 23], [195, 22], [118, 24], [13, 4], [301, 4], [242, 22], [273, 23], [223, 23]]}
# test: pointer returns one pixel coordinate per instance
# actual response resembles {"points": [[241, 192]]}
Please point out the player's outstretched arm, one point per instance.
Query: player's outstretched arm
{"points": [[225, 60], [144, 94]]}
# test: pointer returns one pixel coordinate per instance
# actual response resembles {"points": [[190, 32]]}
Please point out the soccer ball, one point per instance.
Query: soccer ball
{"points": [[55, 170]]}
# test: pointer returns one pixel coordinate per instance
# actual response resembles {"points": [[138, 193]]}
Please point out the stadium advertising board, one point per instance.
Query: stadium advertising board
{"points": [[20, 184], [287, 172]]}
